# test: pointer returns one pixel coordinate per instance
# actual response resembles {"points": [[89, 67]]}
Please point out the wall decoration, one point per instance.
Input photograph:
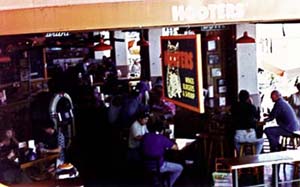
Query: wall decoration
{"points": [[211, 45], [222, 101], [213, 59], [222, 89], [182, 71], [216, 72]]}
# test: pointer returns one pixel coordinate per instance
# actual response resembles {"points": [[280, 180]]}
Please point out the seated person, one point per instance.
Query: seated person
{"points": [[10, 134], [286, 120], [136, 132], [154, 146], [158, 105], [53, 142], [10, 171], [245, 116]]}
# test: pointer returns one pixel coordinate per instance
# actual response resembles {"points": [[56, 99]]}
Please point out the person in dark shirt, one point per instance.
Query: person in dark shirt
{"points": [[245, 116], [53, 141], [286, 120], [154, 146]]}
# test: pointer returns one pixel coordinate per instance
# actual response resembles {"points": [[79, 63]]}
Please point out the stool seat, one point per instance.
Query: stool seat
{"points": [[203, 139], [290, 142], [157, 178], [247, 148]]}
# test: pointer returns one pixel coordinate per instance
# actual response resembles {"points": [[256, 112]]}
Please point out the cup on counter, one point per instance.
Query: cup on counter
{"points": [[171, 127]]}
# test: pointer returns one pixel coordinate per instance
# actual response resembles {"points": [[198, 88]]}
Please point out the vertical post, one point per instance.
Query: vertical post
{"points": [[275, 166], [235, 178], [145, 60], [45, 64]]}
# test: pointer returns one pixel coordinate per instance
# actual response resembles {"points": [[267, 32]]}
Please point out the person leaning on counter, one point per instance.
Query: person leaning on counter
{"points": [[53, 141]]}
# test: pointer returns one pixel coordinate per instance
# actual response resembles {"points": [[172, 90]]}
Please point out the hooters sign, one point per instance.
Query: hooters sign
{"points": [[182, 71]]}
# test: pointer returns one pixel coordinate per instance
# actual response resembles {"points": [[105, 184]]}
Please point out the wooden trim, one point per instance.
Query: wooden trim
{"points": [[39, 161]]}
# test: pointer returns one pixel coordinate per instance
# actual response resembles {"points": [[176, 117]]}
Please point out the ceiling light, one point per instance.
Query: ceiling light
{"points": [[245, 39], [142, 42], [102, 46]]}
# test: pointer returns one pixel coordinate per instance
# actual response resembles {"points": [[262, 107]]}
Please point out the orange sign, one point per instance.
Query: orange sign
{"points": [[36, 16], [182, 71]]}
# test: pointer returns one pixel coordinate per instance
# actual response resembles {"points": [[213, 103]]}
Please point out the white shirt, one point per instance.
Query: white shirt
{"points": [[136, 129]]}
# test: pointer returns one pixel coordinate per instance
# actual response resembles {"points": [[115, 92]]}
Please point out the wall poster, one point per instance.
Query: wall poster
{"points": [[182, 71]]}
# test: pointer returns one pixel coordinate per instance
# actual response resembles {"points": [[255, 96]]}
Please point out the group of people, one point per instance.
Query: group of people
{"points": [[12, 155], [147, 144], [10, 171], [245, 117], [124, 107]]}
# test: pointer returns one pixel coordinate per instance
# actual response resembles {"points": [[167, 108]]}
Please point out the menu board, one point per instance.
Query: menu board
{"points": [[182, 71]]}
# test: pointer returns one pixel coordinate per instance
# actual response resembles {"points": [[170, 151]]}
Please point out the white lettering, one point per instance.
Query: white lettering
{"points": [[178, 13], [219, 11], [57, 34], [230, 11], [212, 9], [239, 10], [203, 13]]}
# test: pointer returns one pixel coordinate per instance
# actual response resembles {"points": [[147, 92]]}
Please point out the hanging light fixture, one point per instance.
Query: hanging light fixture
{"points": [[142, 42], [211, 36], [4, 58], [102, 46], [245, 39]]}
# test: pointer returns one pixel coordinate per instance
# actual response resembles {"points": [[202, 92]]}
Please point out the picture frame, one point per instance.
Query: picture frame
{"points": [[213, 59], [221, 82], [216, 72], [211, 45], [222, 89]]}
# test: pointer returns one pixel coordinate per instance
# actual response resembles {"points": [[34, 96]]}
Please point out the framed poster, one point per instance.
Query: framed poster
{"points": [[182, 71], [211, 45], [213, 59], [216, 72]]}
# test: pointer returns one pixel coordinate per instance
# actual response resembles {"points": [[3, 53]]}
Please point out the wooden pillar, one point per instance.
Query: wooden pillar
{"points": [[145, 60]]}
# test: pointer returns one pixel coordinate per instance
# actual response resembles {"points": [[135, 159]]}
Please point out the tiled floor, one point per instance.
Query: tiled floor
{"points": [[190, 178], [101, 161]]}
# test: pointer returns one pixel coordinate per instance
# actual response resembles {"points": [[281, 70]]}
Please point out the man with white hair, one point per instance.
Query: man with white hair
{"points": [[285, 118]]}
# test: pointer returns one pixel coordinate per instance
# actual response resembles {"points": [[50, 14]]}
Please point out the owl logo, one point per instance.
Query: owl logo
{"points": [[173, 75], [172, 48]]}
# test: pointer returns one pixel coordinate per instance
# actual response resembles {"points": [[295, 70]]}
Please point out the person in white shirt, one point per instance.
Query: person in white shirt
{"points": [[136, 132]]}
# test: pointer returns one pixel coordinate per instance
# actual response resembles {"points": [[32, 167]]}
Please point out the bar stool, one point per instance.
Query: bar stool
{"points": [[245, 147], [203, 140], [290, 143], [153, 174], [249, 148], [217, 141]]}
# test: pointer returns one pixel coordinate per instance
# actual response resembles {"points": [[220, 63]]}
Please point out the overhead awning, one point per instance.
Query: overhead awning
{"points": [[36, 16], [289, 73]]}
